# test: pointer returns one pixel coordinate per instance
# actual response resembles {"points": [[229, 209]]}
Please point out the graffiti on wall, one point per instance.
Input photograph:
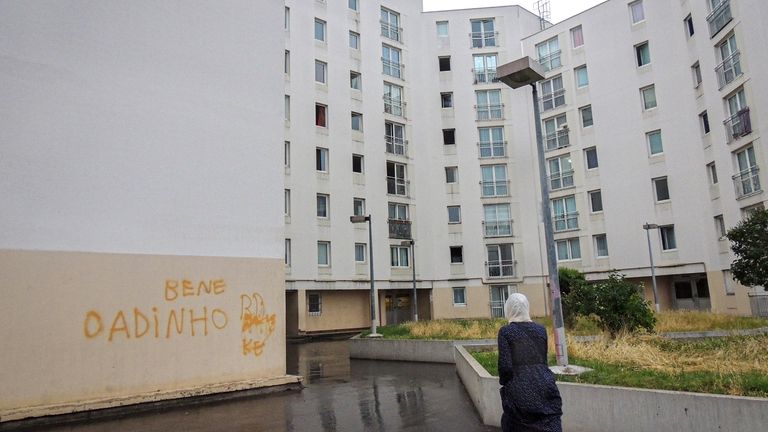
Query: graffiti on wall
{"points": [[171, 321]]}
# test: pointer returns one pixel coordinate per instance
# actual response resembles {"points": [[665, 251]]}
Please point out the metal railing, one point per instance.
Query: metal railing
{"points": [[495, 188], [561, 180], [719, 17], [738, 125], [552, 100], [551, 61], [566, 221], [728, 70], [747, 182], [759, 305], [485, 76], [399, 229], [500, 269], [393, 69], [483, 39], [557, 139], [394, 106], [397, 186], [395, 145], [390, 31], [489, 112], [492, 149], [497, 228]]}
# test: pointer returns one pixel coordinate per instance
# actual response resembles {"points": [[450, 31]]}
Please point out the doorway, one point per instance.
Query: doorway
{"points": [[692, 294], [398, 307], [499, 295]]}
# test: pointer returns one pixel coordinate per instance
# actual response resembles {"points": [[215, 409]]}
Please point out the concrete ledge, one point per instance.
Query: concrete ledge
{"points": [[595, 408], [430, 351], [691, 335]]}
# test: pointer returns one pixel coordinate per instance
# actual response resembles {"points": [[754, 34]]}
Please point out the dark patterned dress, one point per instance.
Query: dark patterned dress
{"points": [[529, 394]]}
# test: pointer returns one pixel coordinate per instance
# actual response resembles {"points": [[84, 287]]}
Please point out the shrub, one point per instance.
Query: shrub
{"points": [[569, 278], [749, 241]]}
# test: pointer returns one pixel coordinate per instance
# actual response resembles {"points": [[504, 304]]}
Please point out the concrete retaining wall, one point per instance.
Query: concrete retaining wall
{"points": [[593, 408], [430, 351]]}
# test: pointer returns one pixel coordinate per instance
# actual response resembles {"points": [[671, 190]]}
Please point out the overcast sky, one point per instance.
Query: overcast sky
{"points": [[561, 9]]}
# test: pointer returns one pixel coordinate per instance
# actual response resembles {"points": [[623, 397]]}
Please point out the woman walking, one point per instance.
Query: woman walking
{"points": [[529, 394]]}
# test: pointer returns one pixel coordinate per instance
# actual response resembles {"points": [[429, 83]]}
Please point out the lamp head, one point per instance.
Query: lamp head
{"points": [[521, 72]]}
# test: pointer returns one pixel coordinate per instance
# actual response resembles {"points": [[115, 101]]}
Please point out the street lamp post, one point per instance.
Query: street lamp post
{"points": [[519, 73], [648, 227], [363, 219], [412, 244]]}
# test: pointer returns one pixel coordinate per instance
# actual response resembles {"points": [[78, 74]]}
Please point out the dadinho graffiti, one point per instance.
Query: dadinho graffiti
{"points": [[256, 325]]}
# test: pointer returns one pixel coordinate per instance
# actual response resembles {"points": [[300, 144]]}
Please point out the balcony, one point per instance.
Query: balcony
{"points": [[500, 269], [495, 188], [561, 180], [558, 139], [719, 17], [728, 70], [397, 186], [484, 39], [747, 182], [396, 145], [485, 76], [393, 69], [551, 61], [489, 112], [393, 106], [566, 221], [492, 149], [552, 100], [400, 229], [738, 125], [390, 31], [497, 228]]}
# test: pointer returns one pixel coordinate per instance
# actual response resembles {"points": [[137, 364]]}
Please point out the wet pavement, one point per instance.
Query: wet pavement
{"points": [[341, 395]]}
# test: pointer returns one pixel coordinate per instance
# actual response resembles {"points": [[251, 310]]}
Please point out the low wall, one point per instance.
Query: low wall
{"points": [[430, 351], [594, 408]]}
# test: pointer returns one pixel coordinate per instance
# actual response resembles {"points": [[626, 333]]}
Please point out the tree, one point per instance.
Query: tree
{"points": [[749, 241], [569, 278]]}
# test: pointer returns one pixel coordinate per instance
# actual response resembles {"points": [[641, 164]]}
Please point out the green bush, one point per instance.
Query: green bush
{"points": [[569, 278], [749, 241]]}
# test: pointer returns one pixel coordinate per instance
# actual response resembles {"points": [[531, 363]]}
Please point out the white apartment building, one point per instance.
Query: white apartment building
{"points": [[649, 113]]}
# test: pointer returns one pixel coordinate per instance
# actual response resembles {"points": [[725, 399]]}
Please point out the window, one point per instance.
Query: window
{"points": [[489, 105], [560, 172], [394, 136], [449, 136], [323, 206], [358, 206], [452, 174], [668, 241], [454, 214], [485, 68], [568, 249], [582, 78], [287, 63], [396, 182], [712, 173], [747, 179], [390, 24], [649, 97], [643, 54], [704, 118], [353, 5], [319, 30], [446, 100], [355, 80], [654, 142], [601, 245], [287, 202], [661, 187], [549, 54], [324, 253], [360, 252], [314, 303], [287, 19], [577, 37], [497, 220], [595, 201], [390, 60], [287, 108], [586, 116], [357, 163], [320, 71], [636, 11], [320, 115], [553, 94], [357, 122], [321, 159], [492, 142], [556, 133], [287, 154], [483, 34], [590, 155], [393, 99], [501, 260], [288, 252], [399, 256], [565, 215], [720, 227], [459, 296], [444, 63], [397, 211], [442, 28], [696, 72], [457, 254], [730, 68], [688, 22], [494, 181], [738, 124], [354, 40]]}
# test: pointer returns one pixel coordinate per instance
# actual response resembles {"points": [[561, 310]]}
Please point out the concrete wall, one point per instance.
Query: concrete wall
{"points": [[138, 258], [341, 310], [430, 351]]}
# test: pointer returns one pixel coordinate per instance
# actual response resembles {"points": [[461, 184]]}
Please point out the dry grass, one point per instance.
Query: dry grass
{"points": [[455, 329], [683, 321]]}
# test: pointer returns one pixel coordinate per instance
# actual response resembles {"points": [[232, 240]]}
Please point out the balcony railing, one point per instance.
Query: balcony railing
{"points": [[489, 112], [485, 76], [396, 145], [483, 39], [557, 139], [399, 229], [561, 180], [719, 17], [390, 31], [747, 182], [551, 61], [567, 221], [495, 188], [497, 228], [492, 149], [397, 186], [393, 69], [394, 106], [500, 269], [552, 100], [728, 70], [738, 125]]}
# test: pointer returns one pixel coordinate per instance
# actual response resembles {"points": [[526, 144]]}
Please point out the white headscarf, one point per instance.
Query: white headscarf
{"points": [[516, 308]]}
